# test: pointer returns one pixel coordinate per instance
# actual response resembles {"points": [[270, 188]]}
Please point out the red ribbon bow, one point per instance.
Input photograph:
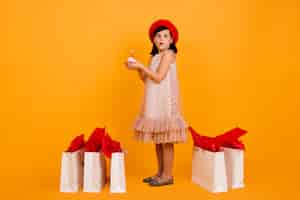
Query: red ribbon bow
{"points": [[94, 142], [205, 142], [110, 146], [76, 143], [230, 138], [98, 141]]}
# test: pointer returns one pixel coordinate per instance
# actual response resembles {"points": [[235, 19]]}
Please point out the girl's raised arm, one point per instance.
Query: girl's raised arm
{"points": [[162, 70]]}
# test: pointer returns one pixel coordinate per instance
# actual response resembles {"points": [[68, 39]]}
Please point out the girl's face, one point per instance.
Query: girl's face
{"points": [[163, 39]]}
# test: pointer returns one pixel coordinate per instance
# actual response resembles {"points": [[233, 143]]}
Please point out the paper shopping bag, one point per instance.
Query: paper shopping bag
{"points": [[234, 162], [208, 170], [117, 173], [71, 171], [94, 176]]}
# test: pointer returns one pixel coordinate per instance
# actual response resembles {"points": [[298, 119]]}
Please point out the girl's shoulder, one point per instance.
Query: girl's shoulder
{"points": [[157, 57], [170, 53]]}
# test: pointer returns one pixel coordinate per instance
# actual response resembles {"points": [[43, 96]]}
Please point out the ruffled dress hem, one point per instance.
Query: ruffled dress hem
{"points": [[169, 130]]}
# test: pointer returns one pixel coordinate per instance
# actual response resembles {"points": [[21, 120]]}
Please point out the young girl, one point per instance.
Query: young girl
{"points": [[160, 120]]}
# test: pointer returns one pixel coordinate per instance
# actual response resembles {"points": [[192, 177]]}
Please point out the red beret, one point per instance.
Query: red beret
{"points": [[166, 23]]}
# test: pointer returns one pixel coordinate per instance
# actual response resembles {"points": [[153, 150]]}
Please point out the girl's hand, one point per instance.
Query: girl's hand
{"points": [[133, 65]]}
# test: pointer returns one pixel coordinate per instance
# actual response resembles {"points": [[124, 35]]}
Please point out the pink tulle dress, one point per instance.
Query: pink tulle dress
{"points": [[160, 119]]}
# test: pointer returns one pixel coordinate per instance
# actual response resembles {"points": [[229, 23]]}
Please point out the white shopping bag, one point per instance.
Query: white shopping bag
{"points": [[71, 171], [94, 176], [117, 173], [208, 170], [234, 160]]}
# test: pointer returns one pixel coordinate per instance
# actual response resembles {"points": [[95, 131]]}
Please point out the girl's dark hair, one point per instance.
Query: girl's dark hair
{"points": [[155, 49]]}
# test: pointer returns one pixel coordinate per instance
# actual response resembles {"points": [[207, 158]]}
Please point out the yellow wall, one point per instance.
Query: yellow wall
{"points": [[62, 74]]}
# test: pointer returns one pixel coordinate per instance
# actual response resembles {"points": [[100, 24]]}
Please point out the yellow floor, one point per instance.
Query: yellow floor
{"points": [[263, 179]]}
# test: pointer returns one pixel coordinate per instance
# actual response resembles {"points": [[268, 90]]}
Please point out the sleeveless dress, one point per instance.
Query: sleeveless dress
{"points": [[160, 119]]}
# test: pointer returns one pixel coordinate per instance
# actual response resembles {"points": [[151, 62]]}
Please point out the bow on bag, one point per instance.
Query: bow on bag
{"points": [[94, 143], [110, 146], [230, 138], [205, 142], [76, 144]]}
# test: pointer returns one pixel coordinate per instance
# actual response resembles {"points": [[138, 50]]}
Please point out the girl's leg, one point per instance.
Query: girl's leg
{"points": [[168, 159], [159, 156]]}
